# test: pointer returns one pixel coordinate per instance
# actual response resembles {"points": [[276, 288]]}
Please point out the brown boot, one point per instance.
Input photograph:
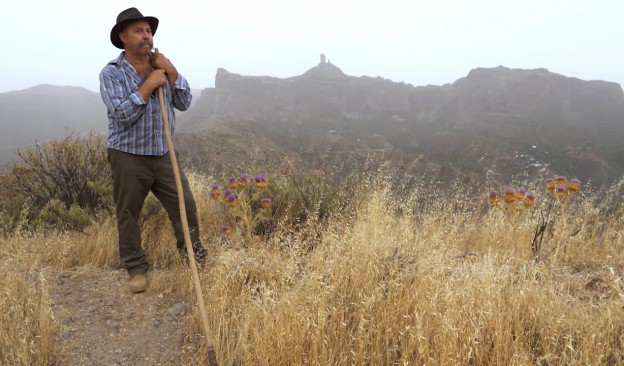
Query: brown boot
{"points": [[138, 283]]}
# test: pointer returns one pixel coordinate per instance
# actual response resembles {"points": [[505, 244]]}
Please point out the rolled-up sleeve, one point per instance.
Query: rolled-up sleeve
{"points": [[182, 96], [123, 107]]}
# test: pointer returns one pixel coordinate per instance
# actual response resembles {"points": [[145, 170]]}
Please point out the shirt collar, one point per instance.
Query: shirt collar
{"points": [[119, 60], [122, 63]]}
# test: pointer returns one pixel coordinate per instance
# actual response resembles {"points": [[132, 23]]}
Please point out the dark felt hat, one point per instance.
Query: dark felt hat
{"points": [[125, 17]]}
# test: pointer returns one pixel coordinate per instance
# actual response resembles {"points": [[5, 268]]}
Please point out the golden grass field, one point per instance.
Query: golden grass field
{"points": [[448, 281]]}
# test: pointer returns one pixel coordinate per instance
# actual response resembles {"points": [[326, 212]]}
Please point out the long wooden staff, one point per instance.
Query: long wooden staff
{"points": [[212, 358]]}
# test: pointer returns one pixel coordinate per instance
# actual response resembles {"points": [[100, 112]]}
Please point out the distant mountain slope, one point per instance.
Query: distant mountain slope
{"points": [[505, 121], [500, 121], [46, 112]]}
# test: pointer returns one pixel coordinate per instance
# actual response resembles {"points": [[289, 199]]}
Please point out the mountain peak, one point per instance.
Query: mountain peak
{"points": [[51, 89], [324, 70], [504, 74]]}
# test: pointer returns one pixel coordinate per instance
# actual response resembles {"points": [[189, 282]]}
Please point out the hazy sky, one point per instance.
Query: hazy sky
{"points": [[66, 42]]}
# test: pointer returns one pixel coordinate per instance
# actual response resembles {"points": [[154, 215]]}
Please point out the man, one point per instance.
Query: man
{"points": [[137, 146]]}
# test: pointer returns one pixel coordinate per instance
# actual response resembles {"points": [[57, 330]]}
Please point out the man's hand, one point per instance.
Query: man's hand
{"points": [[154, 81], [159, 61]]}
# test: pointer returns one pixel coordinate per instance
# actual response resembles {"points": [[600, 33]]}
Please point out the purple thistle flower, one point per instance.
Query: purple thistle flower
{"points": [[233, 182], [265, 202], [521, 192], [574, 185], [242, 181], [562, 192], [493, 196], [529, 199], [260, 180], [225, 230], [509, 195]]}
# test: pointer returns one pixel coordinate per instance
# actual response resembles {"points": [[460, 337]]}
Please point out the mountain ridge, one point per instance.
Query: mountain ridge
{"points": [[500, 120], [477, 123]]}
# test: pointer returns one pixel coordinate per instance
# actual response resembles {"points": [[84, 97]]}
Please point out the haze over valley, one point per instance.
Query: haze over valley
{"points": [[498, 122]]}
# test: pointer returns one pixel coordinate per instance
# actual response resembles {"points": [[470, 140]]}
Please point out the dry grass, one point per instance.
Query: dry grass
{"points": [[390, 290], [445, 284], [25, 316]]}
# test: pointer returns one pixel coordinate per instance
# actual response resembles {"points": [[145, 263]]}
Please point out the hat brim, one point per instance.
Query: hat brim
{"points": [[118, 28]]}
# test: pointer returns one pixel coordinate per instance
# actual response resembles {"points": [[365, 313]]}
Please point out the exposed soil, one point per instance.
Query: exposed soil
{"points": [[99, 322]]}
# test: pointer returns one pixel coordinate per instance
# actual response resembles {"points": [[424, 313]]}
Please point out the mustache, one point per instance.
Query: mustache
{"points": [[146, 43]]}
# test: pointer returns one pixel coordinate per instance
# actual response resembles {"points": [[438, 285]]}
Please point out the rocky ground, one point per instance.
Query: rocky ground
{"points": [[99, 322]]}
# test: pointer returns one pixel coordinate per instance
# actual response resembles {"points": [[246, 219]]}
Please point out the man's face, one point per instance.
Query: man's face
{"points": [[137, 37]]}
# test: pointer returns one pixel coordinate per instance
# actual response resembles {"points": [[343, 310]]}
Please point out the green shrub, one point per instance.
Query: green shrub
{"points": [[62, 183]]}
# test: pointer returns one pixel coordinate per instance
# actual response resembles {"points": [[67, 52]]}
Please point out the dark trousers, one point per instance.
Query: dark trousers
{"points": [[134, 176]]}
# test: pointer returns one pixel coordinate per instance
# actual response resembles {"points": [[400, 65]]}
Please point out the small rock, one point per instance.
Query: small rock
{"points": [[114, 325], [66, 335], [90, 311], [176, 309], [156, 323]]}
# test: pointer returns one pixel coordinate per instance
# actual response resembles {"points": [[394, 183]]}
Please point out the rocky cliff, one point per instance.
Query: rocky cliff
{"points": [[506, 121]]}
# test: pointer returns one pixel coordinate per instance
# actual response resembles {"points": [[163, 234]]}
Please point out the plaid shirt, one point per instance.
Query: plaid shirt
{"points": [[134, 125]]}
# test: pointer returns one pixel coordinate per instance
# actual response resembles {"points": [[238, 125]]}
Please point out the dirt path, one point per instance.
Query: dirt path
{"points": [[99, 322]]}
